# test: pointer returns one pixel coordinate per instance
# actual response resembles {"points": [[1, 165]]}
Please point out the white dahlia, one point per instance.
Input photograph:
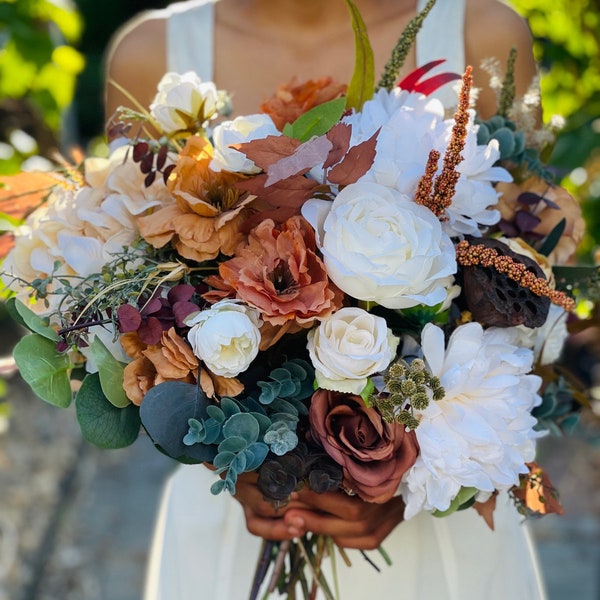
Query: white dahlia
{"points": [[481, 433]]}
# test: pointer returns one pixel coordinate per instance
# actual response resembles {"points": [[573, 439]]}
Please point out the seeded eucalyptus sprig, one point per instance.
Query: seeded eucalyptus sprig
{"points": [[402, 48], [411, 387]]}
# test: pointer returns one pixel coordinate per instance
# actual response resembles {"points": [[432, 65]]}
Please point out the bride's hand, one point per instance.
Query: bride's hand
{"points": [[351, 522]]}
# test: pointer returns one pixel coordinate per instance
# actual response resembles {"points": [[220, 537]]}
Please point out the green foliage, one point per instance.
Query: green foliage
{"points": [[567, 45], [362, 83], [110, 371], [32, 64], [317, 121], [44, 369], [244, 431], [464, 499], [102, 423], [26, 317]]}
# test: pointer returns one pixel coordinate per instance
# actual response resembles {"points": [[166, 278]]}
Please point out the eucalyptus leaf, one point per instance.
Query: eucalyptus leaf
{"points": [[165, 411], [223, 459], [242, 425], [102, 423], [44, 369], [111, 374], [229, 407], [30, 320], [255, 455], [217, 487], [238, 465], [233, 444]]}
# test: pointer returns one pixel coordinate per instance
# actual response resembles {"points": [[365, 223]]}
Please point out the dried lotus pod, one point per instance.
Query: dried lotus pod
{"points": [[494, 299]]}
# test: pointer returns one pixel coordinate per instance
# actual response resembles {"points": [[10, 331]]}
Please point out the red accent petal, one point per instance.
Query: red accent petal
{"points": [[409, 82]]}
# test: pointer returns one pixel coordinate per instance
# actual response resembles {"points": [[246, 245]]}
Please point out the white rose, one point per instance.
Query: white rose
{"points": [[226, 337], [378, 245], [349, 346], [184, 101], [240, 130]]}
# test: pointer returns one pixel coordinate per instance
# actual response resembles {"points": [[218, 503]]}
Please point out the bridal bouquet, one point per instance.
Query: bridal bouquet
{"points": [[332, 293]]}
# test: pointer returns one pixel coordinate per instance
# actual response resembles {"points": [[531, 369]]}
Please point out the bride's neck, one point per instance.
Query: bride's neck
{"points": [[284, 18]]}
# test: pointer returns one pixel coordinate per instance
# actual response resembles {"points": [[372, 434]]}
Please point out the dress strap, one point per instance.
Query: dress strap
{"points": [[190, 37], [442, 36]]}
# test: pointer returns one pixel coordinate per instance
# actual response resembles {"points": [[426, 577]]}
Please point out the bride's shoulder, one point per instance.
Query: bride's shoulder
{"points": [[136, 60]]}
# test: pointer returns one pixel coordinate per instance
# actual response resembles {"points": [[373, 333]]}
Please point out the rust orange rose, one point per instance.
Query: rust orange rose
{"points": [[373, 454], [207, 217], [279, 273], [568, 208], [294, 99]]}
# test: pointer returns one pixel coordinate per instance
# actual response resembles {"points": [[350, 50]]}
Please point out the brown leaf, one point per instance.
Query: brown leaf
{"points": [[356, 163], [339, 135], [267, 151], [486, 510], [290, 192], [7, 241]]}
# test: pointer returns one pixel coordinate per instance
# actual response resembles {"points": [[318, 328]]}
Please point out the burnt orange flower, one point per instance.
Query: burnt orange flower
{"points": [[279, 273], [207, 217], [171, 359], [549, 216], [294, 99]]}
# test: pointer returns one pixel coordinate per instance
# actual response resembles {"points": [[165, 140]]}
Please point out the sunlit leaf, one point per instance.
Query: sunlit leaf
{"points": [[44, 369], [111, 374]]}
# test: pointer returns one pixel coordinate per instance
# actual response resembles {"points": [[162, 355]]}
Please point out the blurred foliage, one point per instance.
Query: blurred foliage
{"points": [[567, 46], [38, 59], [38, 69]]}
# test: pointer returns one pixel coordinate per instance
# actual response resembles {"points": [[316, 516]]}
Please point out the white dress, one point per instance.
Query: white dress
{"points": [[201, 549]]}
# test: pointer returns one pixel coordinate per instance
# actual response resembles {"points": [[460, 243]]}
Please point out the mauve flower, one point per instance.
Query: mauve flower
{"points": [[207, 217], [279, 273], [373, 454]]}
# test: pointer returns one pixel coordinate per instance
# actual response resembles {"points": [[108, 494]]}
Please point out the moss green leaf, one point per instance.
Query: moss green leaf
{"points": [[44, 369], [102, 423], [362, 83]]}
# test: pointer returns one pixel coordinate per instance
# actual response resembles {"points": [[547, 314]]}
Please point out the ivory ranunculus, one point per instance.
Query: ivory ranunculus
{"points": [[226, 337], [349, 346], [184, 102], [240, 130], [378, 245]]}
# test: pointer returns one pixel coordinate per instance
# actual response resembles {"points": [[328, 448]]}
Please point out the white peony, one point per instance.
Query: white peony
{"points": [[349, 346], [378, 245], [240, 130], [226, 337], [410, 126], [81, 229], [184, 102], [481, 433]]}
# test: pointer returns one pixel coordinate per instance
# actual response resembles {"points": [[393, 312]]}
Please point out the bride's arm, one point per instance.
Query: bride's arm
{"points": [[136, 61]]}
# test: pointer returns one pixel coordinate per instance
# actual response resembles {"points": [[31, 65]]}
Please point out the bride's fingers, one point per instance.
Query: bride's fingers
{"points": [[269, 529]]}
